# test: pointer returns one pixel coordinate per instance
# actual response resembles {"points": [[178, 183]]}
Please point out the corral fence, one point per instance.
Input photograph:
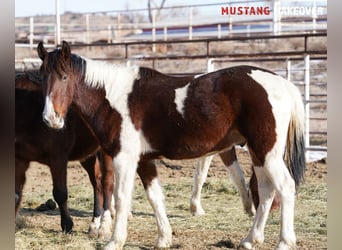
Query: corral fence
{"points": [[301, 58], [175, 22]]}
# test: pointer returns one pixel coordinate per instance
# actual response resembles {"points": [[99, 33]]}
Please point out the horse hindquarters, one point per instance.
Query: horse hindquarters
{"points": [[273, 175]]}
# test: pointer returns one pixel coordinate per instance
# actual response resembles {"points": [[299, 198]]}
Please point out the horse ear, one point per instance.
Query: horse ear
{"points": [[42, 52], [66, 51]]}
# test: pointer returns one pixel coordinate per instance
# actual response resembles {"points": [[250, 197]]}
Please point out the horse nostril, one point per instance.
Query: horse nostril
{"points": [[45, 120]]}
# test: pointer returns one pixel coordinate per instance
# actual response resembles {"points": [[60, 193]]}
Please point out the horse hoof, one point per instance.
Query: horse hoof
{"points": [[93, 230], [163, 243], [113, 246], [197, 210], [67, 226], [283, 246], [104, 234], [246, 246], [250, 211]]}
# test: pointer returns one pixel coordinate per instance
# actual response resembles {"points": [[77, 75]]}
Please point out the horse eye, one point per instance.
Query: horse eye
{"points": [[64, 77]]}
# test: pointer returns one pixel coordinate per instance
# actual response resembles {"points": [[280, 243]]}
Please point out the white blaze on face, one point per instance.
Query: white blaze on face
{"points": [[50, 116], [180, 96]]}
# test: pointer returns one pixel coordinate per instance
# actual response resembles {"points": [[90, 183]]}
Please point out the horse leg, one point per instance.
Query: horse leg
{"points": [[230, 161], [148, 174], [92, 166], [106, 164], [20, 177], [274, 177], [58, 170], [200, 176], [125, 166], [285, 187], [266, 194], [253, 191], [253, 188]]}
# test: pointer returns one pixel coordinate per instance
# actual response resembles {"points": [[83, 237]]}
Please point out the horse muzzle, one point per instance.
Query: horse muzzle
{"points": [[53, 120]]}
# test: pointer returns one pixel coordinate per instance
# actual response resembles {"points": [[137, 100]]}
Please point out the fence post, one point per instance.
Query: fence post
{"points": [[118, 31], [58, 24], [210, 65], [190, 23], [165, 33], [276, 16], [87, 28], [307, 101], [288, 69], [314, 16], [109, 28], [153, 30], [31, 32]]}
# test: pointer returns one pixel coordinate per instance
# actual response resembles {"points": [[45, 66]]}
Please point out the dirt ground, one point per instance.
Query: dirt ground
{"points": [[220, 228]]}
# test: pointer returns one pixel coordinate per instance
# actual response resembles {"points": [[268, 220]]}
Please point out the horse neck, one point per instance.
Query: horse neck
{"points": [[95, 109], [88, 100]]}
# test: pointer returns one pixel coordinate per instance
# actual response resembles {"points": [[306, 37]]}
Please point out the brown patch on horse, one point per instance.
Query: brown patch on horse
{"points": [[249, 101], [147, 171]]}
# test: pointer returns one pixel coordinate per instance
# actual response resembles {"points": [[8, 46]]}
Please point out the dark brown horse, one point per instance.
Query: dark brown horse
{"points": [[139, 115], [34, 141]]}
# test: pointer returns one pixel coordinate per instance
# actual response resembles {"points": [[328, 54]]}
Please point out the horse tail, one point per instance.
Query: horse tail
{"points": [[294, 155]]}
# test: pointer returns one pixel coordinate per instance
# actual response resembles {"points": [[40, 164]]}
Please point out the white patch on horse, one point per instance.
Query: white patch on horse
{"points": [[118, 81], [180, 96], [145, 145], [279, 96]]}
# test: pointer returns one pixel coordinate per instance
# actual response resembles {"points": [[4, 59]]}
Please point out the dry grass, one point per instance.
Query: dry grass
{"points": [[223, 226]]}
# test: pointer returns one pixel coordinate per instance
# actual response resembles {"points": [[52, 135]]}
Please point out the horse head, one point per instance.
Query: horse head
{"points": [[58, 81]]}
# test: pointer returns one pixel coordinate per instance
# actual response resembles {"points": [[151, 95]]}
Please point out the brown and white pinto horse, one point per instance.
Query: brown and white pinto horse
{"points": [[34, 141], [139, 114]]}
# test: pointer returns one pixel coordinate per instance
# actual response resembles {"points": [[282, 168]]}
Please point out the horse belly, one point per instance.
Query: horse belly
{"points": [[196, 144]]}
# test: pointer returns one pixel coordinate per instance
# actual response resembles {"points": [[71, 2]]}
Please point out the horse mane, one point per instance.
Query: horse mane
{"points": [[99, 74]]}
